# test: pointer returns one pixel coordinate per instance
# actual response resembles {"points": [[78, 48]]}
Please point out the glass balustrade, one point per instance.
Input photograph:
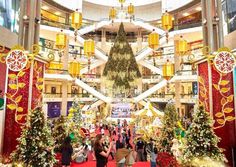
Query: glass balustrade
{"points": [[9, 14]]}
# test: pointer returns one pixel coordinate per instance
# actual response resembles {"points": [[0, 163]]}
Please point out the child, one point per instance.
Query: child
{"points": [[66, 151]]}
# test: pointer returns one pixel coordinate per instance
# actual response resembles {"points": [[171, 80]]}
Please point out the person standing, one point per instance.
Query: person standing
{"points": [[140, 149], [66, 152], [152, 151], [100, 153]]}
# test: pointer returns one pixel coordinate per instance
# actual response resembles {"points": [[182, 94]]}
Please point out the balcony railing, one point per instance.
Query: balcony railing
{"points": [[52, 95], [188, 25], [69, 95], [188, 96], [172, 95], [165, 96], [186, 72]]}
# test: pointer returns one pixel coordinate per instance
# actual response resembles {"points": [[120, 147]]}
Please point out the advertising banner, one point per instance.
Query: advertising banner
{"points": [[121, 110], [54, 109]]}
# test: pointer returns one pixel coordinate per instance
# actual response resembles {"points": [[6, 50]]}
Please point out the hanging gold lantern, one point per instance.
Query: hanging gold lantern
{"points": [[167, 23], [131, 9], [76, 21], [89, 50], [74, 68], [168, 70], [89, 47], [112, 14], [181, 46], [153, 40], [122, 2], [60, 40]]}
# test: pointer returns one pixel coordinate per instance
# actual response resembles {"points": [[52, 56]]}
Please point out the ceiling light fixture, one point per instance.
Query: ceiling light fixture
{"points": [[185, 14], [57, 13], [45, 7], [199, 8]]}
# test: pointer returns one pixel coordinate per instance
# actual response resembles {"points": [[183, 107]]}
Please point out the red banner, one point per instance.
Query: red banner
{"points": [[223, 104], [18, 92]]}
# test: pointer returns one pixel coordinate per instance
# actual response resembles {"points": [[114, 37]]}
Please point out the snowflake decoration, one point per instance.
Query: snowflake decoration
{"points": [[224, 62], [16, 60]]}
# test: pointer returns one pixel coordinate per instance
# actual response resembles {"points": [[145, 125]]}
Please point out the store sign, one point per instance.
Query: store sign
{"points": [[121, 110], [54, 109], [69, 105]]}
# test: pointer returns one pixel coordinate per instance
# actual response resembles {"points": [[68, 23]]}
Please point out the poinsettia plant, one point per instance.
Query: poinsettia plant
{"points": [[165, 159]]}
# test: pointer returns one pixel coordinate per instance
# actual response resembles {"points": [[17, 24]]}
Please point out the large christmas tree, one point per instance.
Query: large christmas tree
{"points": [[121, 68], [201, 141], [167, 134], [35, 146], [59, 132]]}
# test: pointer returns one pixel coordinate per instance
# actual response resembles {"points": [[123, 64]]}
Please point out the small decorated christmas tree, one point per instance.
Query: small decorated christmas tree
{"points": [[201, 141], [75, 121], [169, 123], [59, 132], [36, 144], [75, 113]]}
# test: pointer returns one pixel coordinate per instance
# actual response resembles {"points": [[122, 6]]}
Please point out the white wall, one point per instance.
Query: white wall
{"points": [[149, 12], [99, 12], [71, 4], [229, 40], [127, 2], [173, 4], [7, 38]]}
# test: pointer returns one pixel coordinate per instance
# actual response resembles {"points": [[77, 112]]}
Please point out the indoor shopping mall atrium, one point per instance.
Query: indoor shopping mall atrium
{"points": [[117, 83]]}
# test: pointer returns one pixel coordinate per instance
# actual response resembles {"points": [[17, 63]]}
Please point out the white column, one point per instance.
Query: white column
{"points": [[64, 88], [177, 84], [139, 40], [103, 41]]}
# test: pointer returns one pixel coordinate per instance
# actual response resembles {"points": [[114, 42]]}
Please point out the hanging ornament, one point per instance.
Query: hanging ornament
{"points": [[60, 44], [112, 14], [76, 21], [74, 68], [224, 62], [61, 40], [16, 60], [131, 11], [153, 40], [89, 50], [181, 46], [167, 23], [168, 70], [122, 2]]}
